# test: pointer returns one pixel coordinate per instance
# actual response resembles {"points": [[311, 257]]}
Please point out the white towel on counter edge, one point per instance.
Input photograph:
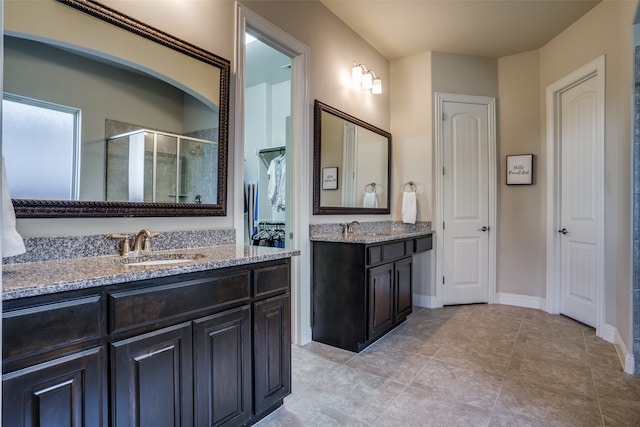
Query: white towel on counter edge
{"points": [[409, 207], [370, 200], [12, 243]]}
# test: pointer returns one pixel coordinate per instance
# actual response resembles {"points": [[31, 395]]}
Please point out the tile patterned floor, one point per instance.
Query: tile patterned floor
{"points": [[476, 365]]}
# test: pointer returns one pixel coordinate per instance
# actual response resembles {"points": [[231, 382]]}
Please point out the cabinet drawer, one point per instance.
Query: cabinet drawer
{"points": [[41, 328], [395, 250], [374, 254], [422, 244], [389, 251], [139, 307], [270, 280]]}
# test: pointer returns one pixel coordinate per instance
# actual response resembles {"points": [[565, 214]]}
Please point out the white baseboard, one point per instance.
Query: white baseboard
{"points": [[521, 300], [425, 301], [610, 333]]}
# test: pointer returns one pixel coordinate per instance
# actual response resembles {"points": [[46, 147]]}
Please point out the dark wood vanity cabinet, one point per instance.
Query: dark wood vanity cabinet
{"points": [[54, 362], [199, 349], [151, 378], [362, 291], [64, 391]]}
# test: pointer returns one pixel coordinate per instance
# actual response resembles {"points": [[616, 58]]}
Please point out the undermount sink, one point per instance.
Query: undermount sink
{"points": [[160, 259]]}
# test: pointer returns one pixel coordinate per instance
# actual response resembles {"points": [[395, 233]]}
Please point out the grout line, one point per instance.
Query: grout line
{"points": [[506, 371], [390, 403], [593, 379]]}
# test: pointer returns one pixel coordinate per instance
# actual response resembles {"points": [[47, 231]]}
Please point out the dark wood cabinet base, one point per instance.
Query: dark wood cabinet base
{"points": [[200, 349], [361, 291]]}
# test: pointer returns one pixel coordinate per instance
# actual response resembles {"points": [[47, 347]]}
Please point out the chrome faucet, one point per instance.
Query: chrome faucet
{"points": [[141, 244], [347, 229]]}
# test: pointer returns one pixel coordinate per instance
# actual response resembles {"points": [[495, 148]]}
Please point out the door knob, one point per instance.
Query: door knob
{"points": [[484, 228], [563, 231]]}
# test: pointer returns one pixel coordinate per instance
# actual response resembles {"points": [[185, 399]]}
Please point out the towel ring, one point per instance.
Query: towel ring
{"points": [[373, 187], [411, 185]]}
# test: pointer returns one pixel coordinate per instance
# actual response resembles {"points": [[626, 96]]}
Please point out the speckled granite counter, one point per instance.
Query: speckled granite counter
{"points": [[370, 238], [370, 232], [39, 278]]}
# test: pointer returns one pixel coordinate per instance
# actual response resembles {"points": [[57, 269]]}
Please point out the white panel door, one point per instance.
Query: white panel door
{"points": [[579, 197], [465, 203]]}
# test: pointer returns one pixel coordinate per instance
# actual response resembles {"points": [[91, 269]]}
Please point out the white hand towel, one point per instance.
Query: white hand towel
{"points": [[370, 200], [12, 243], [409, 207]]}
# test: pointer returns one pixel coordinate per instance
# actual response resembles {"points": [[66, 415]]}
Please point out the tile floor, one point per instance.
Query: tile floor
{"points": [[476, 365]]}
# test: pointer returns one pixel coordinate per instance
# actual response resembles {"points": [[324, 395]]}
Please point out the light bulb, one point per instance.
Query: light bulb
{"points": [[376, 89], [356, 74], [367, 81]]}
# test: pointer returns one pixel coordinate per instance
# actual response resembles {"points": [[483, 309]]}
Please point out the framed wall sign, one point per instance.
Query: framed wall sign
{"points": [[520, 169], [330, 178]]}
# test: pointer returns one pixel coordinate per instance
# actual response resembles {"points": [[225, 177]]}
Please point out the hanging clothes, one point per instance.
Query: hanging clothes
{"points": [[276, 189]]}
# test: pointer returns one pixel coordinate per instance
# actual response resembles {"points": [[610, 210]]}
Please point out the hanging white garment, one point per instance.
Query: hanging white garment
{"points": [[277, 182], [12, 243]]}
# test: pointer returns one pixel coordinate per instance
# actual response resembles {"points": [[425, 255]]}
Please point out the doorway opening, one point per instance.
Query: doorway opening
{"points": [[296, 152], [267, 136]]}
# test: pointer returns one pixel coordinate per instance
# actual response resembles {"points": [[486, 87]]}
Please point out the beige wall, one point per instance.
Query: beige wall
{"points": [[521, 248], [468, 75], [412, 157]]}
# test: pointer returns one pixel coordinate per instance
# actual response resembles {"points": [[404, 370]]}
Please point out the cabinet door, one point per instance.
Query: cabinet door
{"points": [[152, 379], [222, 345], [67, 391], [271, 352], [403, 289], [380, 300]]}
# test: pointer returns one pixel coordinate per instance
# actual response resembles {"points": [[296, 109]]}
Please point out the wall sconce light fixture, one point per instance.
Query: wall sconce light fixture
{"points": [[367, 79]]}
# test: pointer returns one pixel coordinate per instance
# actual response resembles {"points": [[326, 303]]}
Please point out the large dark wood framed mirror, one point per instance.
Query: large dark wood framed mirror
{"points": [[147, 115], [352, 162]]}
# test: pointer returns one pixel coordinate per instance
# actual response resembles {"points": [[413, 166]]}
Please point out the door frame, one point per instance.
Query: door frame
{"points": [[440, 99], [594, 69], [299, 155]]}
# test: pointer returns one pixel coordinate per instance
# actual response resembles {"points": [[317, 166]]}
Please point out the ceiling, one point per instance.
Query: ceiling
{"points": [[489, 28], [265, 64]]}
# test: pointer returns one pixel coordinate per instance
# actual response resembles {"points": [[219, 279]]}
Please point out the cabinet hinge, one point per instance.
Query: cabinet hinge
{"points": [[443, 280], [443, 225], [443, 170]]}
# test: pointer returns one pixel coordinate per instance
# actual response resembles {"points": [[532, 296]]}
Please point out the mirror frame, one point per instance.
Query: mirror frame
{"points": [[319, 108], [27, 208]]}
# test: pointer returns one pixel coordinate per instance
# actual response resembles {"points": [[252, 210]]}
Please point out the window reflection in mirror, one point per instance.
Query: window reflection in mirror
{"points": [[355, 157], [41, 148]]}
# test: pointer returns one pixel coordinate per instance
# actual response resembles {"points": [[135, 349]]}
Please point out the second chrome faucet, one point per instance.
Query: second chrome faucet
{"points": [[141, 244]]}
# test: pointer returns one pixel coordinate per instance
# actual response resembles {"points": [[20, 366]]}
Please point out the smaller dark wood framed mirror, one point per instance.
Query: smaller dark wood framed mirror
{"points": [[351, 162]]}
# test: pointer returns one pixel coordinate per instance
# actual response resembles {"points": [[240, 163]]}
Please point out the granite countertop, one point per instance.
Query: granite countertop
{"points": [[371, 237], [27, 279]]}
